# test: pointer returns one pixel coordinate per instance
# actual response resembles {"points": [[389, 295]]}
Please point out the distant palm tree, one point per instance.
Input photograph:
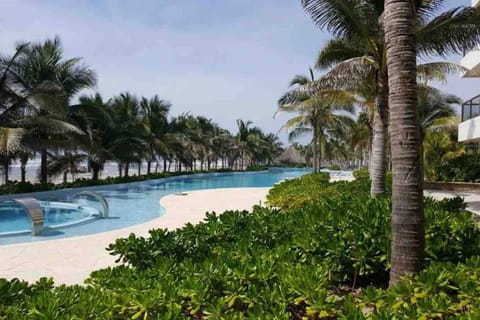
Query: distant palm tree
{"points": [[64, 164], [94, 117], [243, 136], [129, 133], [359, 137], [317, 112], [154, 114]]}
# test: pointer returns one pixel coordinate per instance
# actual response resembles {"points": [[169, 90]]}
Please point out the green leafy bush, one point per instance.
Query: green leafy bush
{"points": [[296, 192], [295, 262], [361, 174], [465, 168]]}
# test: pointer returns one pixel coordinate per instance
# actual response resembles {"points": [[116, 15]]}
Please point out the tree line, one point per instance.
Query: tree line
{"points": [[39, 115]]}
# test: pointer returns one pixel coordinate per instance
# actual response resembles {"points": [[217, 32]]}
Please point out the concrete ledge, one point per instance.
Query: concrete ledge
{"points": [[469, 187]]}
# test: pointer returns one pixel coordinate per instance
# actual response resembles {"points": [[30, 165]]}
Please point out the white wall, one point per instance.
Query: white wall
{"points": [[469, 131]]}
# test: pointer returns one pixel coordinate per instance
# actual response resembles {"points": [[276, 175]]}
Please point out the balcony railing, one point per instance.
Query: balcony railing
{"points": [[471, 108]]}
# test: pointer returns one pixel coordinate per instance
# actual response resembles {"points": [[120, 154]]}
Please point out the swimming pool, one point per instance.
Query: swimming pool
{"points": [[129, 204]]}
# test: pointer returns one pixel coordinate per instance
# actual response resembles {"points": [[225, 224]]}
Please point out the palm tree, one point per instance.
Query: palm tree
{"points": [[12, 105], [43, 63], [434, 105], [64, 164], [358, 54], [154, 114], [316, 109], [243, 136], [94, 117], [359, 137], [129, 133], [438, 124], [408, 226]]}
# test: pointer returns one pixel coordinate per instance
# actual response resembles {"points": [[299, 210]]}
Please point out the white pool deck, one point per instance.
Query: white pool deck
{"points": [[71, 260]]}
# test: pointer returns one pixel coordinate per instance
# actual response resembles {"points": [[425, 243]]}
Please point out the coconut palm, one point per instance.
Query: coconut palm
{"points": [[154, 114], [11, 106], [94, 117], [129, 135], [358, 53], [359, 137], [64, 164], [317, 112], [47, 123], [408, 226], [434, 105], [244, 135]]}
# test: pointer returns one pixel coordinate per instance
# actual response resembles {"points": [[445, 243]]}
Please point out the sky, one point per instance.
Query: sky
{"points": [[223, 59]]}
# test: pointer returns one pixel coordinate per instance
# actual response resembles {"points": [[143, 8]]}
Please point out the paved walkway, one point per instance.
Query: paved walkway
{"points": [[71, 260], [472, 199]]}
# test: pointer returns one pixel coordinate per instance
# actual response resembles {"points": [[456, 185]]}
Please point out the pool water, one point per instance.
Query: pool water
{"points": [[15, 220], [129, 204]]}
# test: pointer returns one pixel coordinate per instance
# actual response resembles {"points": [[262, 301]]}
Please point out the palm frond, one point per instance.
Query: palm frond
{"points": [[338, 50], [451, 32], [438, 71], [11, 140], [343, 18]]}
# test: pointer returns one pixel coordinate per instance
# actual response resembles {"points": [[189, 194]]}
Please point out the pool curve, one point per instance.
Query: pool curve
{"points": [[138, 202]]}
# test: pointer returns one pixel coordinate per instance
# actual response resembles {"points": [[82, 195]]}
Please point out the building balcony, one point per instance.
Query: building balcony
{"points": [[469, 128]]}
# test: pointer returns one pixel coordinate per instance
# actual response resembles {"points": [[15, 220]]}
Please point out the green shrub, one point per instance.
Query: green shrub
{"points": [[295, 262], [296, 192], [361, 174], [465, 168]]}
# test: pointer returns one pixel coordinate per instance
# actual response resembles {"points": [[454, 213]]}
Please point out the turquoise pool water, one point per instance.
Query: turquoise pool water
{"points": [[129, 204]]}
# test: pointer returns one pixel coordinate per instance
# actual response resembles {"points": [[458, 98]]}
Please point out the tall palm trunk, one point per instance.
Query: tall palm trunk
{"points": [[408, 229], [96, 167], [6, 167], [120, 169], [378, 161], [315, 150], [43, 166], [127, 167], [320, 147], [149, 166], [24, 157]]}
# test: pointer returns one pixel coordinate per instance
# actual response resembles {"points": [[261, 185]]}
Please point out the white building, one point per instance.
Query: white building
{"points": [[469, 128]]}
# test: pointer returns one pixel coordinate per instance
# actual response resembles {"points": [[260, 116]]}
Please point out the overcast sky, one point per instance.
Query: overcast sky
{"points": [[224, 59]]}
